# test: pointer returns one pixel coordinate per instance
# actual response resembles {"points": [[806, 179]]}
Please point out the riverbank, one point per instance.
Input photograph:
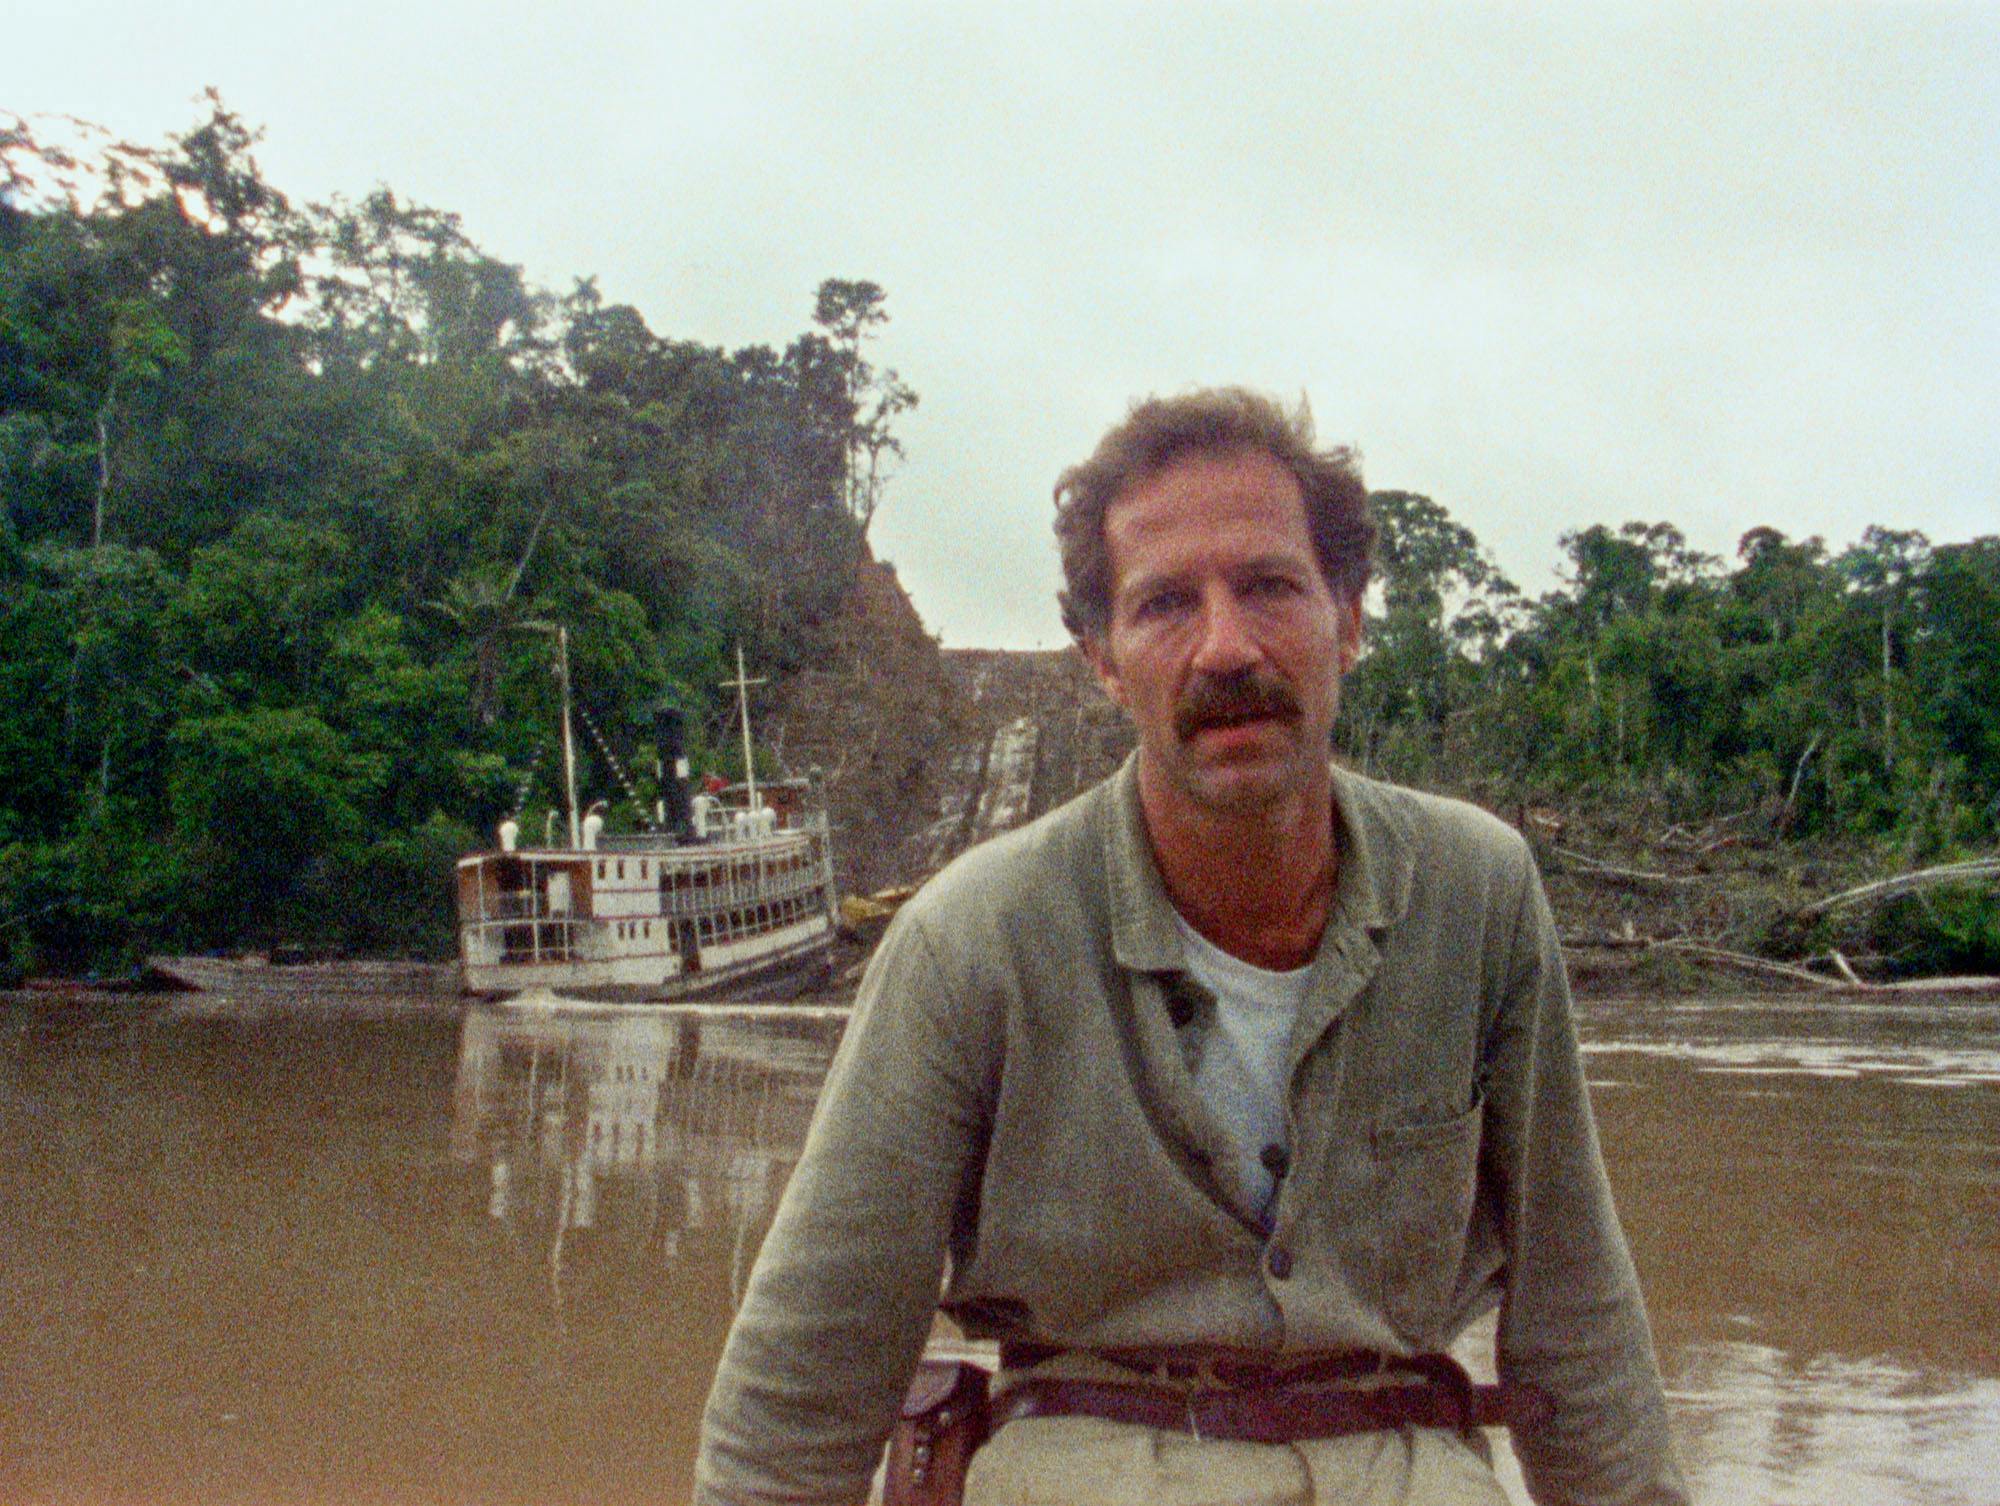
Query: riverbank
{"points": [[1616, 944], [1644, 906], [1648, 906]]}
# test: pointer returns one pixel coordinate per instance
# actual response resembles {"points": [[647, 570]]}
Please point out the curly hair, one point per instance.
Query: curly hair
{"points": [[1159, 431]]}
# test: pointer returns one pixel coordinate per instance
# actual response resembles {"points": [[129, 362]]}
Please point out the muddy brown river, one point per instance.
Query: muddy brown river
{"points": [[283, 1252]]}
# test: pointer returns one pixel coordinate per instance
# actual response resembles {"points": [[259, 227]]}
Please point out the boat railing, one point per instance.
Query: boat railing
{"points": [[523, 904], [518, 904], [564, 939], [654, 843], [709, 897], [644, 843]]}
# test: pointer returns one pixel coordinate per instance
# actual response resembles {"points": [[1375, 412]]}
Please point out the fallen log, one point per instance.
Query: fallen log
{"points": [[1975, 871], [1847, 980], [1957, 985], [1598, 868], [1702, 951], [1706, 837]]}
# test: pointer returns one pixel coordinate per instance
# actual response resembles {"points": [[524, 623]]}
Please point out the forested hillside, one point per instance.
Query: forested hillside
{"points": [[294, 496], [1839, 710]]}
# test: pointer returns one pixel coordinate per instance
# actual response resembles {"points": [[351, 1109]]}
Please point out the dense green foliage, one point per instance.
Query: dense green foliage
{"points": [[1853, 693], [292, 497], [1847, 700]]}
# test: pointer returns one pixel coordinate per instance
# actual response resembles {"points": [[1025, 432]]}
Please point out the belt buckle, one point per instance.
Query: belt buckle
{"points": [[1206, 1379]]}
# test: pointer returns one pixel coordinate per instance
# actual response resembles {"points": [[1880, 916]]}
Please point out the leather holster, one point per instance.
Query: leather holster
{"points": [[942, 1422]]}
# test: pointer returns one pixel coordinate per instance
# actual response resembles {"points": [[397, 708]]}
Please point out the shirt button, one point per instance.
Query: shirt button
{"points": [[1279, 1262]]}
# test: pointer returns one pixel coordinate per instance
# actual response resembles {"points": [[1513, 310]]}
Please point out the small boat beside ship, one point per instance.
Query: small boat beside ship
{"points": [[730, 892]]}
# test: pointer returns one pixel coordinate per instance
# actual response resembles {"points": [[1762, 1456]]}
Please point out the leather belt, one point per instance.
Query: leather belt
{"points": [[1218, 1366], [1293, 1403]]}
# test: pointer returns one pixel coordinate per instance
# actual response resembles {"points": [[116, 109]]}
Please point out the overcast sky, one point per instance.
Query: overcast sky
{"points": [[1725, 266]]}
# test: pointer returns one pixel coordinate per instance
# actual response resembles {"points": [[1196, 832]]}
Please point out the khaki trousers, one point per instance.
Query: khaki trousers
{"points": [[1082, 1461]]}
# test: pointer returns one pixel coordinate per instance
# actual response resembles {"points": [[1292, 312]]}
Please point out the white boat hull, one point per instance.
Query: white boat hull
{"points": [[795, 963]]}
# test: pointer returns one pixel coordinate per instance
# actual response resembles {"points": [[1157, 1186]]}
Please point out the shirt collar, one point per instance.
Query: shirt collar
{"points": [[1371, 892]]}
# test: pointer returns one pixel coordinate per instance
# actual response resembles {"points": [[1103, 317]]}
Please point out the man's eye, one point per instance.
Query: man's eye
{"points": [[1159, 604], [1269, 586]]}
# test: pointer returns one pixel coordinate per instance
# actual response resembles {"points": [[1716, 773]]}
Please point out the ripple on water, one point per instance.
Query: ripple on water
{"points": [[1758, 1425], [1929, 1066]]}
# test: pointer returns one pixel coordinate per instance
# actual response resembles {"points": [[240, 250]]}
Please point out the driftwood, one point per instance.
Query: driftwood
{"points": [[1598, 868], [1904, 883], [1963, 984], [1960, 985], [1710, 836], [1847, 982], [1702, 951]]}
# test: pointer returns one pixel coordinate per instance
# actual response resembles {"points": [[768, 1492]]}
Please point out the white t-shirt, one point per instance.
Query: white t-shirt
{"points": [[1241, 1073]]}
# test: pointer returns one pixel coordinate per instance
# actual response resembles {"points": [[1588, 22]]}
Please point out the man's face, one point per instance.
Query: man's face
{"points": [[1225, 645]]}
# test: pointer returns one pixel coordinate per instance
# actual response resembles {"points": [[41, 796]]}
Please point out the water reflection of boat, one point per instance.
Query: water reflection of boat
{"points": [[644, 1126], [730, 892]]}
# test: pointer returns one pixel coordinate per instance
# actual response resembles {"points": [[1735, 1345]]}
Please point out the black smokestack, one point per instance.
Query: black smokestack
{"points": [[670, 742]]}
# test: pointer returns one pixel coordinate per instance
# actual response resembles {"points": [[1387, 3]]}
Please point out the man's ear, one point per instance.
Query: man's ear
{"points": [[1350, 632], [1098, 655]]}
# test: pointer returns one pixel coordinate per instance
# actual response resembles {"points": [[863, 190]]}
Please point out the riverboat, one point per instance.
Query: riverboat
{"points": [[731, 893]]}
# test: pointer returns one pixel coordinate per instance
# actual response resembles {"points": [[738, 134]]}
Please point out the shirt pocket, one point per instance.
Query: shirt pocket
{"points": [[1427, 1178]]}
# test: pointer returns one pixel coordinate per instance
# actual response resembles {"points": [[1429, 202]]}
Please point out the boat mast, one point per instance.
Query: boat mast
{"points": [[569, 737], [741, 685]]}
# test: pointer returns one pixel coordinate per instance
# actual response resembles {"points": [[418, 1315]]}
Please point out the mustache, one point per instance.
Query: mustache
{"points": [[1218, 700]]}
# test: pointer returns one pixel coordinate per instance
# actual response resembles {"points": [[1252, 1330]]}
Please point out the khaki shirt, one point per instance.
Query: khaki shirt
{"points": [[1014, 1093]]}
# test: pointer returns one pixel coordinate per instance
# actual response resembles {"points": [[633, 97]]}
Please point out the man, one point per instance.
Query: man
{"points": [[1237, 1074]]}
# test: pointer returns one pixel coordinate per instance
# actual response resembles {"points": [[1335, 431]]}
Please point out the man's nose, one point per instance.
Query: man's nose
{"points": [[1226, 644]]}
